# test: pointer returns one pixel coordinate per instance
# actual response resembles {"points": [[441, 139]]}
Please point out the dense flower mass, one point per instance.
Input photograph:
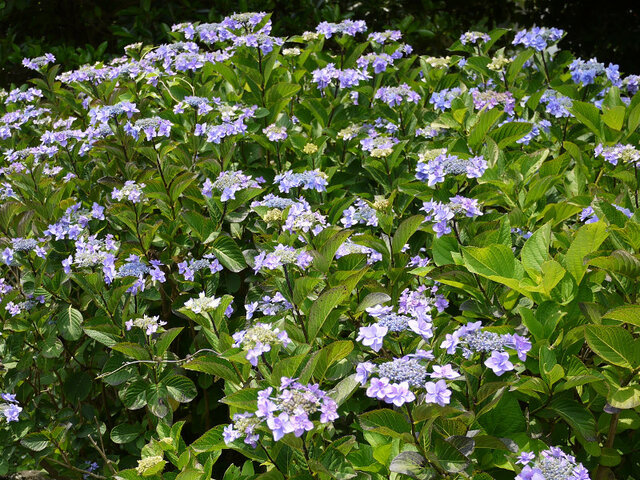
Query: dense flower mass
{"points": [[551, 464], [376, 262], [259, 339], [284, 411], [435, 170], [229, 183]]}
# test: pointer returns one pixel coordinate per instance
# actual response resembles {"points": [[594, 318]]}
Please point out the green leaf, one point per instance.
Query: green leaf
{"points": [[386, 422], [576, 415], [407, 228], [213, 365], [614, 117], [442, 248], [35, 441], [625, 397], [329, 355], [626, 313], [180, 388], [536, 251], [102, 337], [322, 307], [210, 441], [125, 433], [587, 240], [508, 133], [412, 464], [70, 323], [164, 341], [485, 121], [228, 253], [492, 261], [613, 344], [589, 115], [373, 299], [132, 350], [621, 262]]}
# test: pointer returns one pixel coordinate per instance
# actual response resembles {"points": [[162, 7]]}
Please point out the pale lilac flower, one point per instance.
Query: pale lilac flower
{"points": [[372, 336], [437, 392], [499, 363]]}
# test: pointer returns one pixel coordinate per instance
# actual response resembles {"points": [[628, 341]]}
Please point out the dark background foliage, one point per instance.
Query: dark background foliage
{"points": [[81, 31]]}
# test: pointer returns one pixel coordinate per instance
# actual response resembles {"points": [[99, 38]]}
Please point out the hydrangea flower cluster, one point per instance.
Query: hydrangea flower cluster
{"points": [[414, 308], [538, 38], [20, 244], [377, 144], [393, 96], [17, 95], [309, 180], [134, 267], [202, 304], [288, 411], [557, 104], [347, 78], [11, 409], [131, 190], [472, 338], [383, 37], [623, 153], [346, 27], [233, 118], [442, 213], [38, 62], [282, 255], [585, 72], [474, 37], [74, 221], [395, 381], [434, 171], [152, 127], [104, 114], [258, 339], [268, 305], [275, 133], [30, 302], [300, 218], [203, 104], [349, 247], [149, 324], [442, 100], [230, 183], [359, 213], [273, 201], [92, 251], [489, 99], [188, 268], [551, 464]]}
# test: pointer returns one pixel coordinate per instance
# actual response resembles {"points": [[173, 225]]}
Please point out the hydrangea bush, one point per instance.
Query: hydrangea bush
{"points": [[325, 256]]}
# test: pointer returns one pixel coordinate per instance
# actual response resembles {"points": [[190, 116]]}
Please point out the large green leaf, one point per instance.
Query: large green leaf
{"points": [[407, 228], [228, 253], [626, 313], [385, 421], [536, 251], [613, 344], [322, 307], [576, 415], [587, 240], [125, 433], [180, 388], [70, 323]]}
